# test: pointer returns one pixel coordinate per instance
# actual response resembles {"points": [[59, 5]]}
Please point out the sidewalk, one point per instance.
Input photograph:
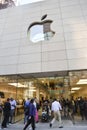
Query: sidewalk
{"points": [[68, 125], [80, 122]]}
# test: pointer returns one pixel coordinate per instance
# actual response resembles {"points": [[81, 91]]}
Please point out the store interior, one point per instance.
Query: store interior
{"points": [[20, 87]]}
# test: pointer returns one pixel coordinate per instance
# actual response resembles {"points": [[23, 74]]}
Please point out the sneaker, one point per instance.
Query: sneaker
{"points": [[50, 125], [30, 128], [60, 126]]}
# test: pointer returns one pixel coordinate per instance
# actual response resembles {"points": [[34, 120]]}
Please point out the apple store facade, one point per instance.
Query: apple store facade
{"points": [[43, 49]]}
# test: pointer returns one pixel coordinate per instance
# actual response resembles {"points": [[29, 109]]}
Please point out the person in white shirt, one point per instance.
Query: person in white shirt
{"points": [[56, 108], [12, 112]]}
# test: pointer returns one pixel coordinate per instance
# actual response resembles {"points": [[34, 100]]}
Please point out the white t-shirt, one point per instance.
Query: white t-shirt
{"points": [[35, 104], [56, 106]]}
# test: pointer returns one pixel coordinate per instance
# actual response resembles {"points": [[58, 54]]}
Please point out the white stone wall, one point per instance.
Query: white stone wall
{"points": [[67, 50]]}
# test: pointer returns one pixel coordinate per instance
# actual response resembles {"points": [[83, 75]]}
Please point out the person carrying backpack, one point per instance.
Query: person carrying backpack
{"points": [[26, 110]]}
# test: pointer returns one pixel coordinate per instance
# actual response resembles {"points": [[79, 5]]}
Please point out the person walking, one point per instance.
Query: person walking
{"points": [[56, 108], [26, 110], [37, 106], [6, 113], [72, 110], [31, 115]]}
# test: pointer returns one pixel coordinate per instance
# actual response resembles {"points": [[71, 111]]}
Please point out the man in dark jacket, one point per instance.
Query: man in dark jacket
{"points": [[81, 107], [6, 113], [31, 115]]}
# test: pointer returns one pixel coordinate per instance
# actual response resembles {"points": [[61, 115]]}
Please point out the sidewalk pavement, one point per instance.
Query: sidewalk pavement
{"points": [[67, 125]]}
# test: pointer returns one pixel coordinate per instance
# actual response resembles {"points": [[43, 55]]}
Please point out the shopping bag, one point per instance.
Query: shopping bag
{"points": [[36, 116]]}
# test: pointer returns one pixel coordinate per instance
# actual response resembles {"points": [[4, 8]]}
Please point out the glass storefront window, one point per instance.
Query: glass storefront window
{"points": [[20, 88]]}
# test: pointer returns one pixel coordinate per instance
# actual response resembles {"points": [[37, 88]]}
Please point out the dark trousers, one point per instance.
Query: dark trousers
{"points": [[12, 114], [30, 121], [82, 113], [85, 113], [5, 120]]}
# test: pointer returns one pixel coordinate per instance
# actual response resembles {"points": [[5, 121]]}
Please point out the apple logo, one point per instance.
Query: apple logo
{"points": [[40, 31]]}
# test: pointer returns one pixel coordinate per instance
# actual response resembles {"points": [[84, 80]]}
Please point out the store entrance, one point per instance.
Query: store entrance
{"points": [[20, 87]]}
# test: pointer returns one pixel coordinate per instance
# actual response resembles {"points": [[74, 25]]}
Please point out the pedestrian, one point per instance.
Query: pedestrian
{"points": [[37, 106], [26, 110], [72, 110], [13, 108], [31, 115], [56, 108], [6, 113], [85, 107], [81, 107]]}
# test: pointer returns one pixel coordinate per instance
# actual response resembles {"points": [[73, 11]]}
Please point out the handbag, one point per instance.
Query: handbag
{"points": [[36, 116]]}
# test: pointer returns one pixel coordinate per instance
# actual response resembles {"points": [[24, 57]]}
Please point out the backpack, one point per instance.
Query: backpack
{"points": [[26, 110]]}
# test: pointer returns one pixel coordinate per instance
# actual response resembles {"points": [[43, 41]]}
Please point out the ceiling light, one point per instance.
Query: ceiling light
{"points": [[76, 88], [42, 81], [72, 91], [82, 81], [17, 85], [32, 90]]}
